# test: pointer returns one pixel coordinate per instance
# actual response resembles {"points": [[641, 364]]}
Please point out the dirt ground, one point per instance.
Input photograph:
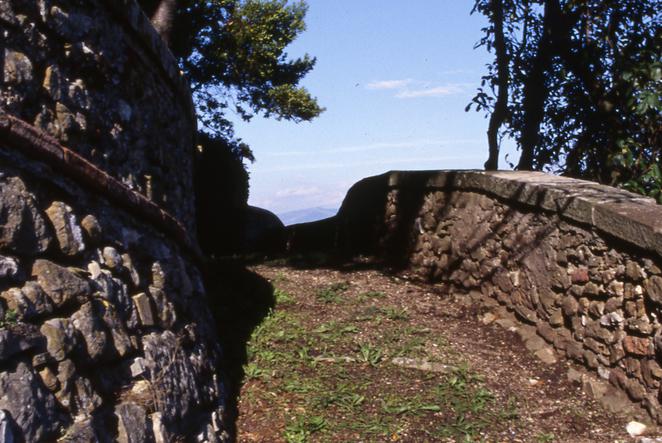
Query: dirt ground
{"points": [[360, 356]]}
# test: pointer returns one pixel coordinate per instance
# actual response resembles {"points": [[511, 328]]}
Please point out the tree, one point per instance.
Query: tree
{"points": [[583, 84], [233, 53], [163, 18]]}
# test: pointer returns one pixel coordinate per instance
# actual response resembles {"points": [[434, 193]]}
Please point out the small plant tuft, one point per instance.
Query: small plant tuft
{"points": [[331, 293]]}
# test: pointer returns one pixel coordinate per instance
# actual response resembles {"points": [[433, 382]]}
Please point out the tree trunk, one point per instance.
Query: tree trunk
{"points": [[499, 113], [164, 18], [535, 94], [601, 115]]}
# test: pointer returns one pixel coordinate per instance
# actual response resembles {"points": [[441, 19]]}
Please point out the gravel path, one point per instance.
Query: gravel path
{"points": [[351, 356]]}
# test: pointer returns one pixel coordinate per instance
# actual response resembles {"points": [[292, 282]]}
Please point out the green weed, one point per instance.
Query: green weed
{"points": [[331, 293], [395, 314], [11, 317], [414, 406], [302, 428], [370, 354], [545, 437], [252, 371], [373, 294], [282, 297]]}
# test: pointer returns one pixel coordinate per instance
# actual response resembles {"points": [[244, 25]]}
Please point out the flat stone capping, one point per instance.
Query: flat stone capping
{"points": [[624, 215]]}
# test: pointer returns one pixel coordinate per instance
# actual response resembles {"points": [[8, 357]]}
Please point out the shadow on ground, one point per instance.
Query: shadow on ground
{"points": [[240, 300]]}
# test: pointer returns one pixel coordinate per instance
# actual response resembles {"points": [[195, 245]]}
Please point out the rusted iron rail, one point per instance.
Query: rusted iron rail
{"points": [[41, 146]]}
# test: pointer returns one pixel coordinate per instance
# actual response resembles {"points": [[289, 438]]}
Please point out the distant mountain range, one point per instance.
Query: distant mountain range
{"points": [[306, 215]]}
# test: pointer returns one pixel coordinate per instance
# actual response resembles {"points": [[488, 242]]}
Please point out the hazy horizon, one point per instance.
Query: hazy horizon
{"points": [[395, 81]]}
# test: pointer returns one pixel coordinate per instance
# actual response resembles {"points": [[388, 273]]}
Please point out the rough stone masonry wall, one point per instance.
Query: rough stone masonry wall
{"points": [[105, 332], [95, 75], [579, 261]]}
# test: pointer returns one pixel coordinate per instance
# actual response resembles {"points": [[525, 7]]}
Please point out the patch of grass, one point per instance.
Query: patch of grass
{"points": [[252, 371], [471, 404], [308, 363], [302, 427], [10, 318], [301, 386], [333, 331], [398, 406], [395, 314], [331, 294], [372, 294], [282, 297], [345, 396], [545, 437], [280, 277], [370, 354]]}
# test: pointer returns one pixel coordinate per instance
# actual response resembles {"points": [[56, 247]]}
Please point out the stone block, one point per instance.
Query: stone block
{"points": [[131, 423], [638, 346], [29, 404], [143, 304], [60, 284], [22, 227], [60, 337], [67, 230]]}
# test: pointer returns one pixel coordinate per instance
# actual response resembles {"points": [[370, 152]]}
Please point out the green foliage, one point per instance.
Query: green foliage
{"points": [[584, 88], [233, 52], [302, 428], [545, 437], [370, 354], [331, 293], [10, 318], [282, 297]]}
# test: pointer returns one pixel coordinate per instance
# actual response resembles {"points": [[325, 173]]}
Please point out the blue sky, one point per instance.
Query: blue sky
{"points": [[394, 78]]}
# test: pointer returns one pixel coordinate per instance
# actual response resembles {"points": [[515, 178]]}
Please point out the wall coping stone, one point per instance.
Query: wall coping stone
{"points": [[622, 214]]}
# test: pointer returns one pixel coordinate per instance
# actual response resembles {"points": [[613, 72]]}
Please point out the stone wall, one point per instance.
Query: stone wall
{"points": [[105, 331], [578, 261], [96, 76]]}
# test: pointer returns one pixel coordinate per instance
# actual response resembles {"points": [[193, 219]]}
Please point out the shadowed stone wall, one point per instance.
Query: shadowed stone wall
{"points": [[105, 332], [579, 262]]}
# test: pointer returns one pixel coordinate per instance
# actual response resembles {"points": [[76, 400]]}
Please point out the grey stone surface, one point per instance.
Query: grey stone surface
{"points": [[111, 258], [92, 330], [7, 431], [22, 228], [67, 230], [59, 283], [174, 376], [143, 304], [81, 431], [8, 267], [94, 77], [29, 404], [132, 423], [61, 337], [92, 228], [18, 338]]}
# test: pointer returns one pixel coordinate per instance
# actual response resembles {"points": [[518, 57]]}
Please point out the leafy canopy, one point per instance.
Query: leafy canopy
{"points": [[583, 81], [233, 52]]}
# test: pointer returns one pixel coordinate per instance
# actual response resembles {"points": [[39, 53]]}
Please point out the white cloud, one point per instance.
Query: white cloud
{"points": [[301, 191], [451, 160], [329, 196], [438, 91], [409, 88], [389, 84], [410, 144]]}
